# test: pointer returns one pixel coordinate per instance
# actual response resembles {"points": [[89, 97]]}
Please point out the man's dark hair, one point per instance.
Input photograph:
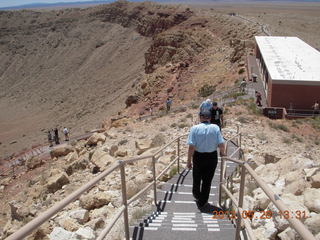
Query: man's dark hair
{"points": [[214, 104]]}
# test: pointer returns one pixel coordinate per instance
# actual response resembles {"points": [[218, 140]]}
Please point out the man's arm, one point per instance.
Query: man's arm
{"points": [[190, 155], [222, 149]]}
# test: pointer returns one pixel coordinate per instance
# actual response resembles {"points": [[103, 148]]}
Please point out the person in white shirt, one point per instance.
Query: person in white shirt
{"points": [[66, 133]]}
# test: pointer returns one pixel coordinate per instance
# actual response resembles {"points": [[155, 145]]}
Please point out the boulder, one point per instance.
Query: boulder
{"points": [[293, 163], [143, 145], [56, 182], [158, 140], [113, 150], [101, 159], [293, 176], [58, 233], [268, 173], [80, 164], [315, 180], [95, 138], [60, 151], [269, 158], [309, 172], [312, 199], [69, 224], [33, 162], [85, 233], [132, 189], [297, 187], [96, 224], [18, 211], [121, 154], [289, 234], [313, 223], [81, 215], [248, 203], [71, 157], [96, 200], [261, 200], [131, 100]]}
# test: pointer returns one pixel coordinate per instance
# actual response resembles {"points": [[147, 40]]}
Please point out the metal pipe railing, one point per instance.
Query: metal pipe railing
{"points": [[38, 221]]}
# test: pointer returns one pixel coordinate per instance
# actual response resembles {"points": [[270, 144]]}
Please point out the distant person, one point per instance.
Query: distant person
{"points": [[56, 136], [243, 85], [66, 133], [216, 115], [206, 105], [258, 99], [203, 141], [316, 108], [50, 140], [168, 104]]}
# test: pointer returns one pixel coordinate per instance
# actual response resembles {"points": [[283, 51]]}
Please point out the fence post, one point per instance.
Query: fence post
{"points": [[124, 199], [178, 150], [240, 140], [221, 181], [240, 204], [154, 180]]}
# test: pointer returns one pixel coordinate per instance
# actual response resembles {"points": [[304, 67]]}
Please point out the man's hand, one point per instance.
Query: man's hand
{"points": [[189, 164]]}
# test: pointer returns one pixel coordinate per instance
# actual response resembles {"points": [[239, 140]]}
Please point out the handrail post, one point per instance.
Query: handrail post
{"points": [[241, 195], [221, 181], [124, 199], [240, 140], [154, 180], [178, 152]]}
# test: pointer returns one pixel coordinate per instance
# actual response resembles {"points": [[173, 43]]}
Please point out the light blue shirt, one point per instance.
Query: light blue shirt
{"points": [[205, 106], [205, 137]]}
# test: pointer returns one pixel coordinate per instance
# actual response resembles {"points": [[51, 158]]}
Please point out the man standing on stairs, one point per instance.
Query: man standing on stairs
{"points": [[216, 115], [204, 140]]}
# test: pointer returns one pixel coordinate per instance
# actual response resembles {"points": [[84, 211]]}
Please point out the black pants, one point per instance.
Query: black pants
{"points": [[204, 165]]}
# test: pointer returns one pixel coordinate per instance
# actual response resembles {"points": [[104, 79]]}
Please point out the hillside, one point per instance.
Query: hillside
{"points": [[74, 67]]}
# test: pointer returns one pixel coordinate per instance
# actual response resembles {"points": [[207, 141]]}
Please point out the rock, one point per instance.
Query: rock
{"points": [[92, 201], [59, 233], [101, 159], [71, 157], [131, 100], [293, 202], [315, 180], [121, 154], [248, 203], [113, 150], [60, 151], [143, 145], [312, 199], [69, 224], [18, 211], [96, 223], [95, 138], [289, 234], [33, 162], [268, 173], [80, 164], [293, 163], [270, 230], [309, 172], [313, 223], [268, 158], [85, 233], [166, 159], [261, 200], [158, 140], [132, 189], [56, 182], [100, 212], [297, 187], [293, 176], [11, 227], [81, 215]]}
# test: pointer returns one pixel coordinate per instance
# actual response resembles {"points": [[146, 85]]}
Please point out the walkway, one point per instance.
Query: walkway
{"points": [[258, 86], [177, 216]]}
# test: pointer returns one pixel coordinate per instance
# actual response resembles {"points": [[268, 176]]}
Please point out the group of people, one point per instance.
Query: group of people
{"points": [[204, 140], [53, 136]]}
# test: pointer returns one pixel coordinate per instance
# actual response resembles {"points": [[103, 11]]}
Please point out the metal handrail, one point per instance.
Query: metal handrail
{"points": [[294, 222], [38, 221]]}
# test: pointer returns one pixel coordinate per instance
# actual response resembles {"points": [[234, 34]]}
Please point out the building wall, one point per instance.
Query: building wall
{"points": [[299, 96]]}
